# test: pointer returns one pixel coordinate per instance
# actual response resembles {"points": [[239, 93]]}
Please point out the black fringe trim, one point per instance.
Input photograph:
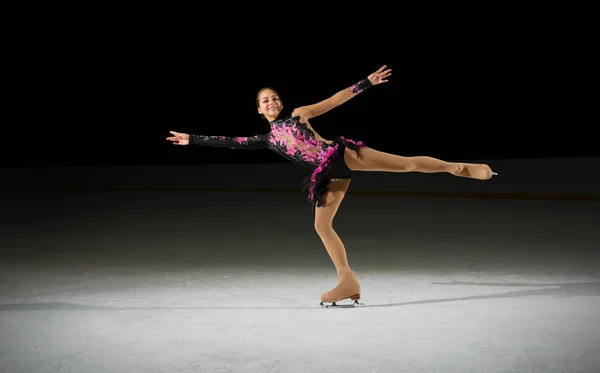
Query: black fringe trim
{"points": [[317, 183]]}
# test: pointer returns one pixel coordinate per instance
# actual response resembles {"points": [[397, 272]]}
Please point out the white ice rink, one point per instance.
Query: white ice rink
{"points": [[183, 281]]}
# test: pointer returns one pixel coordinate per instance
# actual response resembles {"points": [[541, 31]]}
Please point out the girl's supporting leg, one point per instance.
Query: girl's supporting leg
{"points": [[348, 286]]}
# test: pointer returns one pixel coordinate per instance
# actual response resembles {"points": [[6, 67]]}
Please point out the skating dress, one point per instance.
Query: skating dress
{"points": [[297, 142]]}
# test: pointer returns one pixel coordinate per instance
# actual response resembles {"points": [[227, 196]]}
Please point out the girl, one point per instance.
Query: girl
{"points": [[332, 162]]}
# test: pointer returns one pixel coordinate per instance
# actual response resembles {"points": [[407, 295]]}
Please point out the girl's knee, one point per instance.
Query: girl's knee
{"points": [[323, 226]]}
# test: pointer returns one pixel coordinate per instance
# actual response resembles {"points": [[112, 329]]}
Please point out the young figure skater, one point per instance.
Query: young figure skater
{"points": [[332, 162]]}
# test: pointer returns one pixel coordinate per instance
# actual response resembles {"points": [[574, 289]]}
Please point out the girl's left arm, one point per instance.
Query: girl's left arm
{"points": [[310, 111]]}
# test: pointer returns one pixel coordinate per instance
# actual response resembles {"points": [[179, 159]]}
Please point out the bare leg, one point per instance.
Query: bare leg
{"points": [[324, 223], [375, 160], [348, 286]]}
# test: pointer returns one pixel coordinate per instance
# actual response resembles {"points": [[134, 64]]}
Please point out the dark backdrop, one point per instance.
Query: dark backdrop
{"points": [[110, 98]]}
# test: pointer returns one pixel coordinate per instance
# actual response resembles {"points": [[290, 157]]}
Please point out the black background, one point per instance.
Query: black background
{"points": [[108, 94]]}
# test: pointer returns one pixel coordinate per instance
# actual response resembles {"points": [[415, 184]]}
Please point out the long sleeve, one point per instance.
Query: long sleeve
{"points": [[254, 142]]}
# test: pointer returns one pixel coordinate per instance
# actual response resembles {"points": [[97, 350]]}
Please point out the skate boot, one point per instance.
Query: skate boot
{"points": [[475, 171], [347, 288]]}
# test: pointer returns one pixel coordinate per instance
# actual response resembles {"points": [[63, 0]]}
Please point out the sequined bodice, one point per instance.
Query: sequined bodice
{"points": [[295, 141]]}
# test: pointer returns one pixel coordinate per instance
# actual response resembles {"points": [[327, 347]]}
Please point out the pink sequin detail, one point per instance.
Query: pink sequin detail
{"points": [[324, 163], [359, 143], [293, 140]]}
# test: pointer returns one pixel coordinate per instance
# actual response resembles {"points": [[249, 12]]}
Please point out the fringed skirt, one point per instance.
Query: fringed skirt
{"points": [[332, 167]]}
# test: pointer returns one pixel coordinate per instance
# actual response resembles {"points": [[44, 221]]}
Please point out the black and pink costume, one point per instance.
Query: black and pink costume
{"points": [[296, 142]]}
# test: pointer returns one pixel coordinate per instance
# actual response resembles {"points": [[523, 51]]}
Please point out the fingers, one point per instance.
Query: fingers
{"points": [[174, 140], [384, 74]]}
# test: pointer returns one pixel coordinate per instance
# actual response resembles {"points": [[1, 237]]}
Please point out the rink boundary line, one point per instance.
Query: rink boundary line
{"points": [[370, 193]]}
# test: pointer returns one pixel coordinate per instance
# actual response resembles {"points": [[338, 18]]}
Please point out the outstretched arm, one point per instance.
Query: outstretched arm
{"points": [[311, 111], [254, 142]]}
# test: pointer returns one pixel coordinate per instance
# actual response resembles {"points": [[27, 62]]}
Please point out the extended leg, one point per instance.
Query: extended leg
{"points": [[375, 160], [348, 286]]}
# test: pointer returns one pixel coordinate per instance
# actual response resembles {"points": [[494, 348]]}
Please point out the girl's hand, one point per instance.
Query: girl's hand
{"points": [[179, 138], [380, 75]]}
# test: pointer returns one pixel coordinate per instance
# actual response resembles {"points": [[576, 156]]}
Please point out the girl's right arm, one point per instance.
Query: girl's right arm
{"points": [[254, 142]]}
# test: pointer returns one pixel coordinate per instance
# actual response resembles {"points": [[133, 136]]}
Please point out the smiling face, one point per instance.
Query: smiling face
{"points": [[269, 104]]}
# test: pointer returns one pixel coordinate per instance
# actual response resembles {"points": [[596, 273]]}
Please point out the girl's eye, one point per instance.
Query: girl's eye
{"points": [[274, 99]]}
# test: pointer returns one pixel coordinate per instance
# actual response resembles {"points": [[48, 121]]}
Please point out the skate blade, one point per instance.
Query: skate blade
{"points": [[356, 303]]}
